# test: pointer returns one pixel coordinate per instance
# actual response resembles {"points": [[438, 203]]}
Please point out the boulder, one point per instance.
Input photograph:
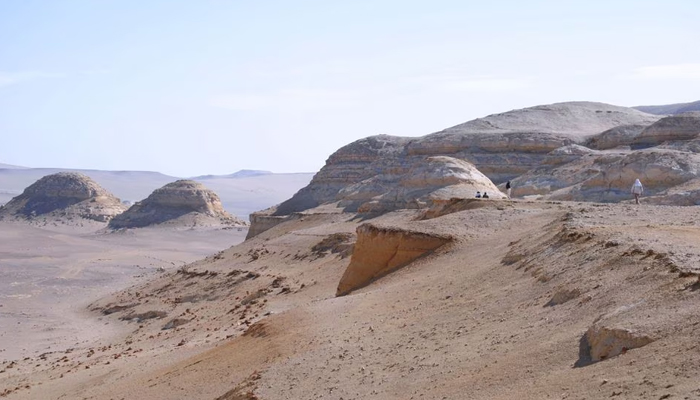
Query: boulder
{"points": [[607, 342]]}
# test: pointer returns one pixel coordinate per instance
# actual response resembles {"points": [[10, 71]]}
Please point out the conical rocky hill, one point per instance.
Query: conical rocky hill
{"points": [[68, 196], [180, 203]]}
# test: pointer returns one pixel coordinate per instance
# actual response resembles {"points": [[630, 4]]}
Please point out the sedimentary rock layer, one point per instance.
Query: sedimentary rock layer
{"points": [[380, 251]]}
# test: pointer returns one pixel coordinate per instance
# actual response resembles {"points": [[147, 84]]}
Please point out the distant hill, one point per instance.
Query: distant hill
{"points": [[68, 197], [9, 166], [244, 173], [241, 193], [670, 108]]}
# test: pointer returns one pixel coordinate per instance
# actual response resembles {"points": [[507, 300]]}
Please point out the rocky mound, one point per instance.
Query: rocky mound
{"points": [[182, 203], [576, 120], [68, 196]]}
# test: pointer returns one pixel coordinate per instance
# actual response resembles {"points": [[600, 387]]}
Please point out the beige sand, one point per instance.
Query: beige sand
{"points": [[472, 320]]}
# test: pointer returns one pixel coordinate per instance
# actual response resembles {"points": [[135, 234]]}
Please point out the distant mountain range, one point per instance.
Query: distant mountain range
{"points": [[670, 109], [244, 173], [241, 193], [8, 166]]}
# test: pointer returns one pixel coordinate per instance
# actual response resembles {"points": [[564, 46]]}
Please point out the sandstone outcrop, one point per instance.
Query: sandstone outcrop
{"points": [[607, 342], [380, 251], [263, 220], [679, 127], [622, 135], [65, 195], [184, 202], [376, 173], [421, 183], [453, 205], [351, 164], [607, 177]]}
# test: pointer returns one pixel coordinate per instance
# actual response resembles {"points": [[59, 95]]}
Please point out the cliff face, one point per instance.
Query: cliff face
{"points": [[174, 203], [66, 194]]}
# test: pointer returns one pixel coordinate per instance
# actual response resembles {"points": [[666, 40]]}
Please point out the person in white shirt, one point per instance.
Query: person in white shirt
{"points": [[637, 190]]}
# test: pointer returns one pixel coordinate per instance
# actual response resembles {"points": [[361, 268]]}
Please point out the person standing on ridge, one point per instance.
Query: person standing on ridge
{"points": [[637, 190], [508, 189]]}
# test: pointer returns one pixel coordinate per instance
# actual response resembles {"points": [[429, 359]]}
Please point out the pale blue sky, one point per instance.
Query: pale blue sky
{"points": [[211, 87]]}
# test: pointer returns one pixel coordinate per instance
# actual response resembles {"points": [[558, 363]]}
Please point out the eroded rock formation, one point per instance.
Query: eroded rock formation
{"points": [[66, 195], [183, 202], [380, 251], [379, 173], [679, 127], [606, 342]]}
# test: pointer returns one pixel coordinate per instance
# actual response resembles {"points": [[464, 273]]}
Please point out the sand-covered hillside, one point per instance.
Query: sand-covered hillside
{"points": [[478, 299]]}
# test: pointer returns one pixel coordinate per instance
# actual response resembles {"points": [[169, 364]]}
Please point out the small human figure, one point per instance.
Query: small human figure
{"points": [[637, 190], [478, 195], [485, 196], [508, 189]]}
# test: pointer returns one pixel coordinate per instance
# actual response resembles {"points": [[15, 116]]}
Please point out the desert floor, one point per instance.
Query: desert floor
{"points": [[49, 276], [499, 312]]}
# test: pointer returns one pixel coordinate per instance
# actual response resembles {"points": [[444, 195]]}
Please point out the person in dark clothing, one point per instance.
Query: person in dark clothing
{"points": [[508, 189], [485, 196]]}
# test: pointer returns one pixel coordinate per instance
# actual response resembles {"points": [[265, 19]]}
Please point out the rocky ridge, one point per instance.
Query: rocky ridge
{"points": [[181, 203], [535, 147]]}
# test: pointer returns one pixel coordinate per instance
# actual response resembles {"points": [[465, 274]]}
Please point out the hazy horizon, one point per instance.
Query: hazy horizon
{"points": [[189, 89]]}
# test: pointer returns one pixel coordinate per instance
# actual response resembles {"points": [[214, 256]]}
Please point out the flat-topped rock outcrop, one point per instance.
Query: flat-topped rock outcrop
{"points": [[65, 195], [182, 203], [679, 127]]}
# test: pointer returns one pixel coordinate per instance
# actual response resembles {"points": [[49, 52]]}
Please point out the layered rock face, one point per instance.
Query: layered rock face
{"points": [[183, 202], [65, 194], [622, 135], [674, 128], [383, 173], [607, 177], [351, 164]]}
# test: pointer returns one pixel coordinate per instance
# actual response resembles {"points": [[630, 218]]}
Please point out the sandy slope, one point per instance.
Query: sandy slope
{"points": [[469, 321]]}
